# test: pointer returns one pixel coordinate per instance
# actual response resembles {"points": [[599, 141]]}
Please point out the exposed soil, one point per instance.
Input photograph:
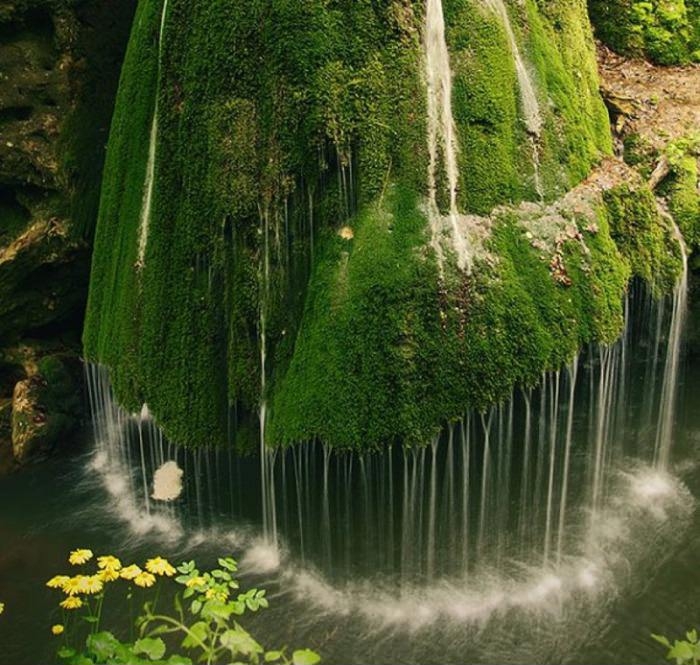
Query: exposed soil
{"points": [[658, 103]]}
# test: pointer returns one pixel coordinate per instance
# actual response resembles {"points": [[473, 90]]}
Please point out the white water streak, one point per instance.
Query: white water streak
{"points": [[669, 390], [528, 95], [147, 204], [442, 133]]}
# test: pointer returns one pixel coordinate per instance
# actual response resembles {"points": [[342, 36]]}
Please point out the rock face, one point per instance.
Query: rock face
{"points": [[59, 68], [46, 407]]}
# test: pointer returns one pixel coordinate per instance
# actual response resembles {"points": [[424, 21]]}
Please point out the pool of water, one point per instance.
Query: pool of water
{"points": [[523, 554]]}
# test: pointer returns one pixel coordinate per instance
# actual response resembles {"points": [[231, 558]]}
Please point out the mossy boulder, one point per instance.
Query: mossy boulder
{"points": [[665, 31], [47, 408]]}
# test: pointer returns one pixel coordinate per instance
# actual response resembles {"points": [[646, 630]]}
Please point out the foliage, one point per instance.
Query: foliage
{"points": [[203, 625], [682, 652], [666, 31]]}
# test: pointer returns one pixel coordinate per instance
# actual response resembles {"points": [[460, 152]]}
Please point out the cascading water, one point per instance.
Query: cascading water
{"points": [[669, 392], [528, 96], [511, 508], [149, 181], [442, 133]]}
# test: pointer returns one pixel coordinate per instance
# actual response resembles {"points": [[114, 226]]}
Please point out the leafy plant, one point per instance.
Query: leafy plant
{"points": [[201, 627], [683, 652]]}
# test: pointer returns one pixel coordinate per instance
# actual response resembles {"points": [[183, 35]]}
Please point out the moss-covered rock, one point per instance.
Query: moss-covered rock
{"points": [[647, 243], [681, 187], [245, 137], [388, 351], [41, 402], [665, 31]]}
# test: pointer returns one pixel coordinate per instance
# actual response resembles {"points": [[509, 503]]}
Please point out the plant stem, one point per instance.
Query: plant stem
{"points": [[181, 626]]}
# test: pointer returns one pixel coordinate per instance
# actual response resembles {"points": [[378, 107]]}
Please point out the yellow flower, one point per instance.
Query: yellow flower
{"points": [[195, 581], [79, 557], [108, 575], [57, 582], [160, 566], [71, 603], [91, 585], [73, 585], [58, 628], [220, 595], [130, 572], [2, 607], [109, 563], [144, 579]]}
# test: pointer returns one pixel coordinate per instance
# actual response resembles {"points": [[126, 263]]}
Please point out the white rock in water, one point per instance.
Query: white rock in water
{"points": [[167, 482]]}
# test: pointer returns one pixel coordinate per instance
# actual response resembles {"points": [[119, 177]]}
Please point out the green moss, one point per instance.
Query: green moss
{"points": [[279, 124], [681, 187], [644, 237], [665, 31], [577, 127], [386, 351], [640, 153], [493, 155]]}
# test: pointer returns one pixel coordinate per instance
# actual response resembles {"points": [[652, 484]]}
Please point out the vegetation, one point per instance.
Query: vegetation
{"points": [[682, 652], [201, 627], [665, 31]]}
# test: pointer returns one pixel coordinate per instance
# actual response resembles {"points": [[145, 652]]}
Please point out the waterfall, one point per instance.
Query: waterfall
{"points": [[514, 507], [149, 181], [528, 97], [442, 132], [669, 391]]}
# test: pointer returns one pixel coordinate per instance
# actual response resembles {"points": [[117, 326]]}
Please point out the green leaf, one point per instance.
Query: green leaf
{"points": [[692, 636], [661, 639], [153, 647], [305, 657], [175, 659], [199, 631], [81, 659], [272, 656], [102, 645], [196, 606], [216, 610], [229, 564], [90, 618], [682, 652], [65, 652], [237, 640]]}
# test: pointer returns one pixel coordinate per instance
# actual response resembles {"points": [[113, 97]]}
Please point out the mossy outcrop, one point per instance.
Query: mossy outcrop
{"points": [[264, 237], [665, 31]]}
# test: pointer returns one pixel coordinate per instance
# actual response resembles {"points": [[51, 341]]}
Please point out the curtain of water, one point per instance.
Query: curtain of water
{"points": [[525, 481]]}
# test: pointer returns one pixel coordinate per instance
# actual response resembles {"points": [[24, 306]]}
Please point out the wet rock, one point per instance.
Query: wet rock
{"points": [[41, 403]]}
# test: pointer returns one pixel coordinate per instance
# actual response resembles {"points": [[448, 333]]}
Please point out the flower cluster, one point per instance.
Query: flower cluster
{"points": [[78, 588]]}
